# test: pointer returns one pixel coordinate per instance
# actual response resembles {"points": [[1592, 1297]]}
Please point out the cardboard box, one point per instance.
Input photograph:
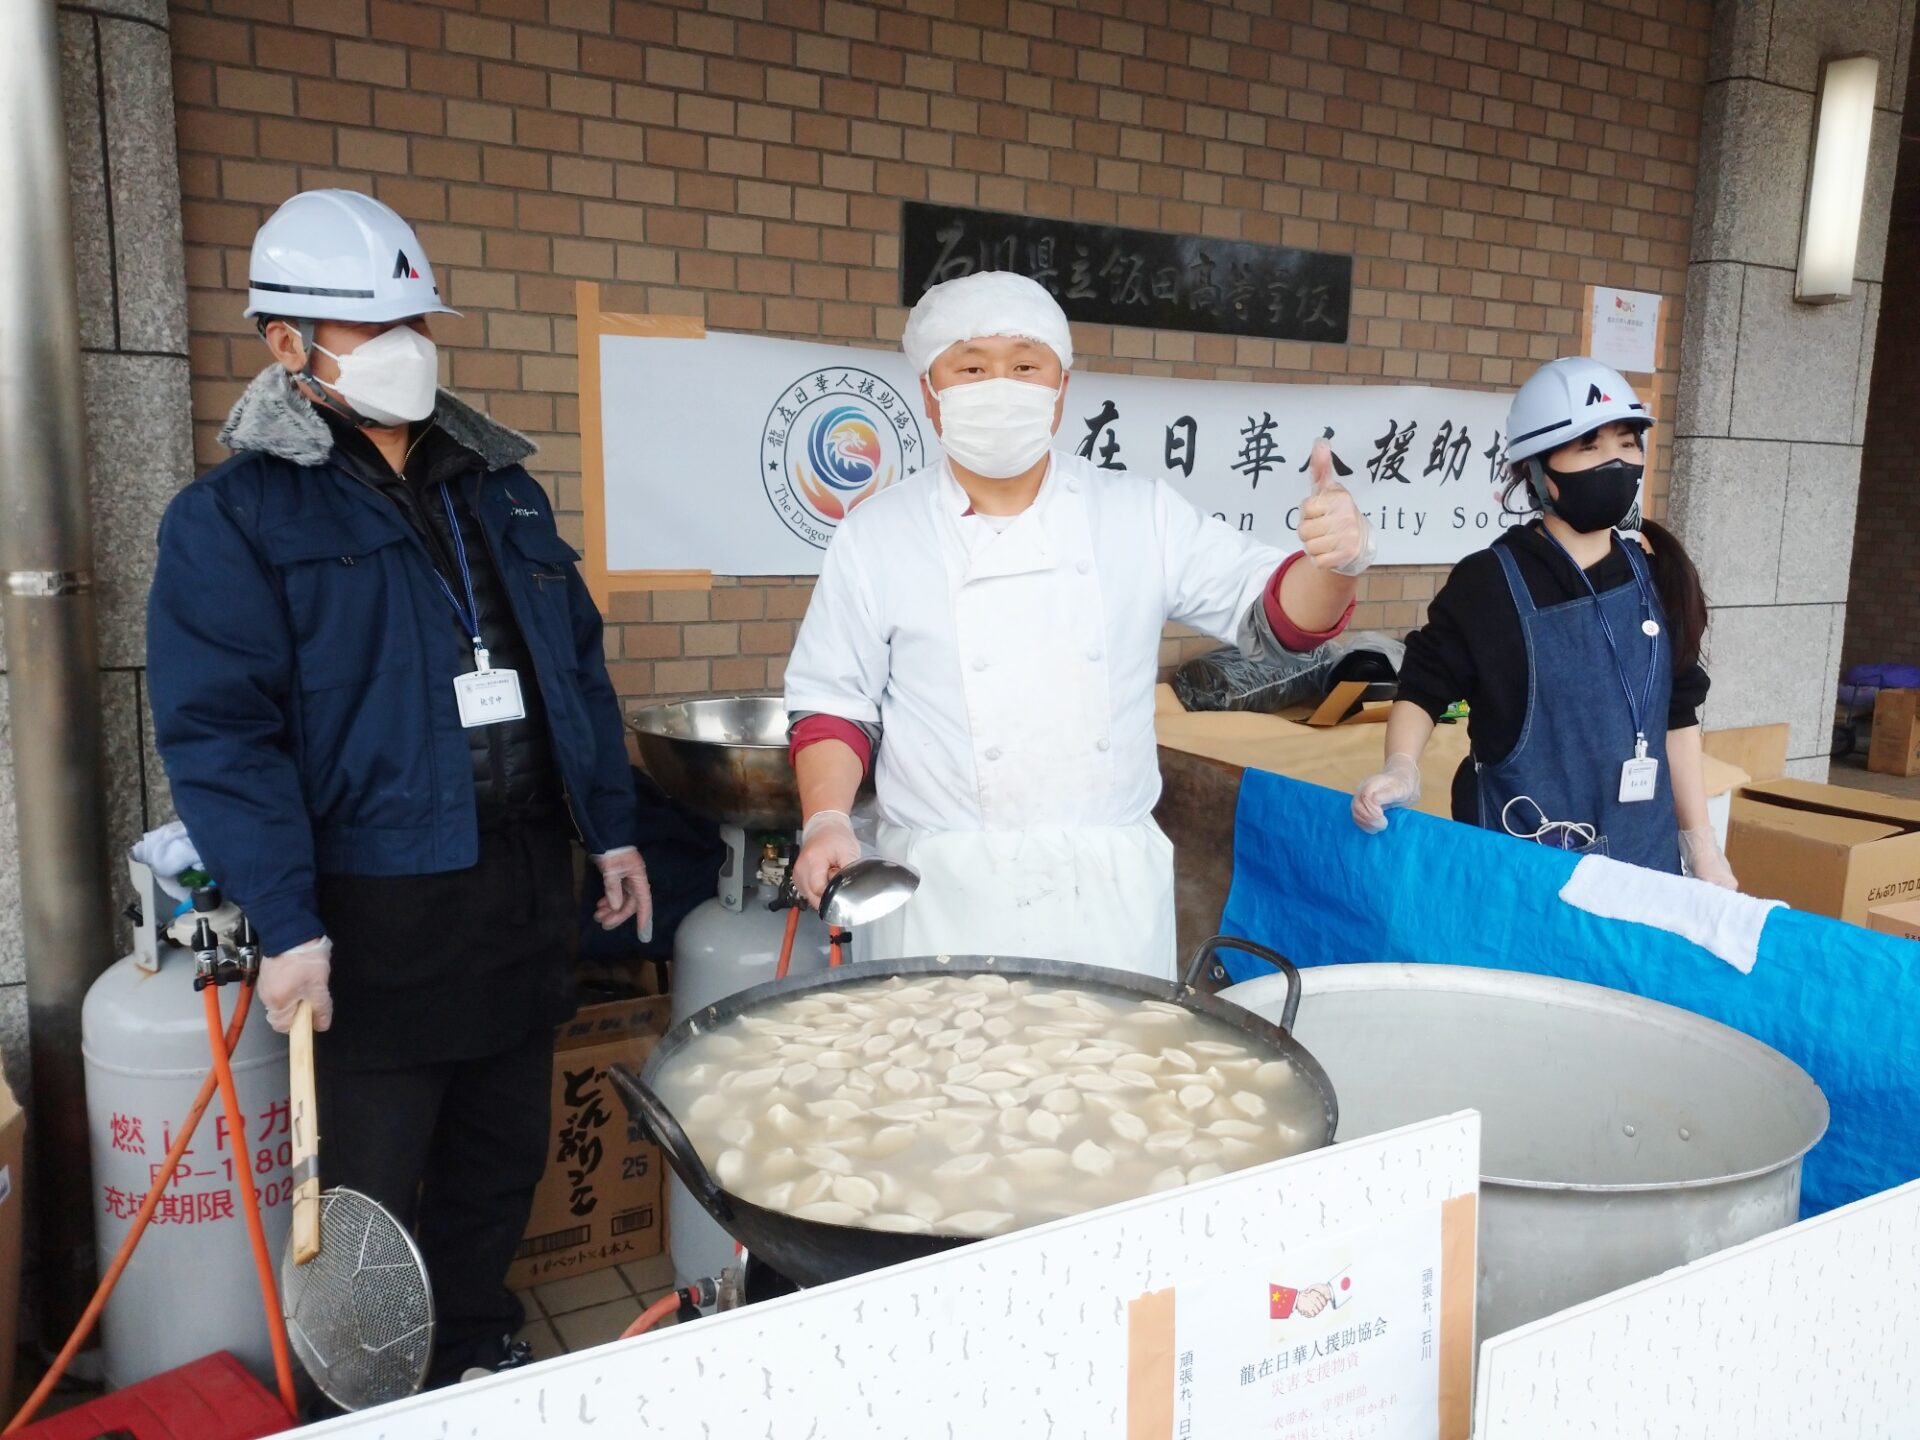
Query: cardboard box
{"points": [[1824, 848], [599, 1202], [1896, 733], [1342, 705], [1902, 919], [13, 1153], [1760, 750]]}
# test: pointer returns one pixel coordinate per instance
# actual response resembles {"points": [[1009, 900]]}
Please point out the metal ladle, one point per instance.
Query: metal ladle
{"points": [[863, 892], [857, 893], [866, 890]]}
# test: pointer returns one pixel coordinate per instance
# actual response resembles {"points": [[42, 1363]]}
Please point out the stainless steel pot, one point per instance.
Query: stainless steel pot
{"points": [[1620, 1137]]}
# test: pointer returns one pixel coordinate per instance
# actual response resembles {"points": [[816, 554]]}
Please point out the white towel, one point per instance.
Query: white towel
{"points": [[167, 851], [1723, 921]]}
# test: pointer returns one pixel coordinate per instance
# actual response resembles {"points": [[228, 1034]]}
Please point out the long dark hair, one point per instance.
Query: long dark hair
{"points": [[1680, 594]]}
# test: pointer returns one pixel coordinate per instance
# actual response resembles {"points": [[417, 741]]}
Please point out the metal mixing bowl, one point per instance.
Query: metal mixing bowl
{"points": [[725, 757]]}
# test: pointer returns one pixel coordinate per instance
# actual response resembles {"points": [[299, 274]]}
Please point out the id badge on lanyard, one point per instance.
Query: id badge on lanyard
{"points": [[487, 696], [1639, 777]]}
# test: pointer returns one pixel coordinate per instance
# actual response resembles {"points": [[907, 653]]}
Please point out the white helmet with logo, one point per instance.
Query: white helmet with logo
{"points": [[340, 255], [1565, 399]]}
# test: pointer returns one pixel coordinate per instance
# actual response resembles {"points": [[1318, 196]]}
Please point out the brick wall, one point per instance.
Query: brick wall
{"points": [[1883, 600], [744, 160]]}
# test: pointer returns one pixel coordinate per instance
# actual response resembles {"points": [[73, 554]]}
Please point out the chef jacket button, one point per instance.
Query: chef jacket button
{"points": [[993, 752], [1103, 744], [1083, 567], [1093, 652], [980, 664]]}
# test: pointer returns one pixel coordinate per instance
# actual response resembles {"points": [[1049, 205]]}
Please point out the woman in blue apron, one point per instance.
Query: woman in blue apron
{"points": [[1575, 640]]}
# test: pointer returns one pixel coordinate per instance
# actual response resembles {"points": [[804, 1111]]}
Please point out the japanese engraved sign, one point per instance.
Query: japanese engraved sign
{"points": [[741, 455], [1111, 276]]}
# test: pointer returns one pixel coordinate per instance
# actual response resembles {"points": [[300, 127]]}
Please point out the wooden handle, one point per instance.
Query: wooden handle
{"points": [[306, 1136]]}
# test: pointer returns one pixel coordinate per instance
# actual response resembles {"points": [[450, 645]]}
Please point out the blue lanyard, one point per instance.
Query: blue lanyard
{"points": [[469, 614], [1636, 710]]}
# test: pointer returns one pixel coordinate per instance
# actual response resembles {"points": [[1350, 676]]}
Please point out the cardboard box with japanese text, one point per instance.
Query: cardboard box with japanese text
{"points": [[1902, 920], [1896, 733], [1825, 849], [599, 1202]]}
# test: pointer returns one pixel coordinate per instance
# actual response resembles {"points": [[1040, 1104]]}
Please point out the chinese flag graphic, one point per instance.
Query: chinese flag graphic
{"points": [[1280, 1299]]}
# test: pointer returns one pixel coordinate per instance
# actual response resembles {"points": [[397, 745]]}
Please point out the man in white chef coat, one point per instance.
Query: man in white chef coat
{"points": [[985, 636]]}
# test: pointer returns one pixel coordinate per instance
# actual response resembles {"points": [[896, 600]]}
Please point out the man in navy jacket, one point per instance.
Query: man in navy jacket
{"points": [[380, 695]]}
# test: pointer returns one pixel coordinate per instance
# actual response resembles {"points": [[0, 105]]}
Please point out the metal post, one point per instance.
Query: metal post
{"points": [[53, 663]]}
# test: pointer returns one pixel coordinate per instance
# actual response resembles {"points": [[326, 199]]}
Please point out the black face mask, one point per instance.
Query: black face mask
{"points": [[1596, 499]]}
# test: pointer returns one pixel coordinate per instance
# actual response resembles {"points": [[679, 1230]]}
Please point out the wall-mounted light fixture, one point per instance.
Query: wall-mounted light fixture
{"points": [[1836, 179]]}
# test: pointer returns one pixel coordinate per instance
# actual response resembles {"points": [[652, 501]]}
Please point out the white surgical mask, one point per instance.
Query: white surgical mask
{"points": [[997, 428], [391, 378]]}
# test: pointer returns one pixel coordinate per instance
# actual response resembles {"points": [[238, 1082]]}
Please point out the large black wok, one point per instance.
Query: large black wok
{"points": [[812, 1252]]}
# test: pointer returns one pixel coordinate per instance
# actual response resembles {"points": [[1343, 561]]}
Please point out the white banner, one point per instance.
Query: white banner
{"points": [[740, 454]]}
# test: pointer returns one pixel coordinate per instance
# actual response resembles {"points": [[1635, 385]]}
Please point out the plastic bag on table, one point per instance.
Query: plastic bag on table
{"points": [[1226, 679]]}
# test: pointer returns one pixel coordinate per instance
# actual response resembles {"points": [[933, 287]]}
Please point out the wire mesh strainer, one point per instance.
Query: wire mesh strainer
{"points": [[360, 1313]]}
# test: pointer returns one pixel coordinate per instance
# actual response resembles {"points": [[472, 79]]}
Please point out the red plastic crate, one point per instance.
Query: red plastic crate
{"points": [[214, 1398]]}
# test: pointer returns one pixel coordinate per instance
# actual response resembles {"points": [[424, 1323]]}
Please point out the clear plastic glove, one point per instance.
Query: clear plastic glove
{"points": [[1332, 531], [1702, 857], [827, 846], [295, 975], [624, 874], [1398, 784]]}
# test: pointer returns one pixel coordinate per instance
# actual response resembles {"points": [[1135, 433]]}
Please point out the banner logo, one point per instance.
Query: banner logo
{"points": [[834, 438]]}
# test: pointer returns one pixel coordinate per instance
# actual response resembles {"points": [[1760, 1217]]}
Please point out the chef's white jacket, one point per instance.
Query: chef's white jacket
{"points": [[1012, 672]]}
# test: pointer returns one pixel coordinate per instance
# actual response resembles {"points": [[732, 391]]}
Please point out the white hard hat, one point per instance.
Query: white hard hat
{"points": [[1565, 399], [340, 255]]}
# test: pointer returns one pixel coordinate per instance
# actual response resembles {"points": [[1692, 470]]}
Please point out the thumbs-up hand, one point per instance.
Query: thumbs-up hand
{"points": [[1333, 532]]}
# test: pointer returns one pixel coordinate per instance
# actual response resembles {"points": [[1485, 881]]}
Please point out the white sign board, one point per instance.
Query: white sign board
{"points": [[1055, 1331], [1806, 1331], [1626, 330], [739, 454], [1343, 1343]]}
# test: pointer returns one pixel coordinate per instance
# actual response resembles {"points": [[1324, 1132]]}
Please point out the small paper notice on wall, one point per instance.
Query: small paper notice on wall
{"points": [[1626, 330]]}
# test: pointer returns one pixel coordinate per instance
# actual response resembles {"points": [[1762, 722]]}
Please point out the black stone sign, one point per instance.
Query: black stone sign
{"points": [[1109, 276]]}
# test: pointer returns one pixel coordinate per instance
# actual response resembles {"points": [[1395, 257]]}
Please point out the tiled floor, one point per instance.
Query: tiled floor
{"points": [[582, 1311]]}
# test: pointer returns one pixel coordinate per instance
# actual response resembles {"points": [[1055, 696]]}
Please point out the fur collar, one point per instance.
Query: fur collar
{"points": [[274, 418]]}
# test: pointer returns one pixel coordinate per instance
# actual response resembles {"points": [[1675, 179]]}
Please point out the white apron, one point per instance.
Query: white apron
{"points": [[1094, 895]]}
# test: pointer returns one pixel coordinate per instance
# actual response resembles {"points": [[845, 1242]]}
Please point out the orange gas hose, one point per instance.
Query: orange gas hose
{"points": [[250, 1204], [656, 1312], [786, 945], [91, 1315]]}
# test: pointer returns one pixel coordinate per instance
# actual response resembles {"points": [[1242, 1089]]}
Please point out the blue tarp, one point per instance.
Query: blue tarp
{"points": [[1838, 1000]]}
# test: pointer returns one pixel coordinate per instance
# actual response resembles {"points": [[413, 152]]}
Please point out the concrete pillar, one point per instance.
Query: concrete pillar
{"points": [[1773, 394], [117, 87]]}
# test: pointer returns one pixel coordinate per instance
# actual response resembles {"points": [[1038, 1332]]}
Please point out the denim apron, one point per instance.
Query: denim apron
{"points": [[1579, 730]]}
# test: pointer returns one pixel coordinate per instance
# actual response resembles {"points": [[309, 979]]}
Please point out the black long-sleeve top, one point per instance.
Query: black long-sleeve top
{"points": [[1472, 649]]}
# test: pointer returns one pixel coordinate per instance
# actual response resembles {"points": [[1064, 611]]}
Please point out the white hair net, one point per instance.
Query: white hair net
{"points": [[989, 302]]}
